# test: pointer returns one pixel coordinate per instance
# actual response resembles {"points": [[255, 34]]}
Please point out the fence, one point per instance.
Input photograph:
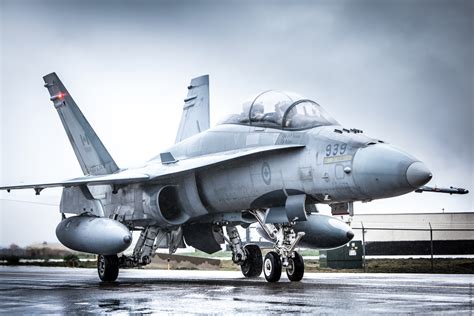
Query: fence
{"points": [[447, 245]]}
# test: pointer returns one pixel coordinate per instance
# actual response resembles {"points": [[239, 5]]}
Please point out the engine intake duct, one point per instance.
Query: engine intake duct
{"points": [[163, 204]]}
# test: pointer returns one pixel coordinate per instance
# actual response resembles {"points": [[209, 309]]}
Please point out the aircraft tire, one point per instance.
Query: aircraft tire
{"points": [[295, 270], [108, 267], [272, 267], [252, 266]]}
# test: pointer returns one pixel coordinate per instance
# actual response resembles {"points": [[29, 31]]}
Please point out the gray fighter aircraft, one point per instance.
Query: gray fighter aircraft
{"points": [[271, 164]]}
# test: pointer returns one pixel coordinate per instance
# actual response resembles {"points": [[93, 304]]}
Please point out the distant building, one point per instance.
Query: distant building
{"points": [[409, 233]]}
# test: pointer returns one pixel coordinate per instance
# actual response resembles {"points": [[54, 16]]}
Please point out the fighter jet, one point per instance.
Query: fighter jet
{"points": [[271, 164]]}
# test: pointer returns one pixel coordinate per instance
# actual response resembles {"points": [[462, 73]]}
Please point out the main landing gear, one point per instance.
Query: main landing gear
{"points": [[108, 267], [145, 249], [249, 257]]}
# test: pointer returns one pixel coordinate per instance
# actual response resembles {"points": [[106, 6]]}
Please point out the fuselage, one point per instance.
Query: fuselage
{"points": [[335, 165], [331, 165]]}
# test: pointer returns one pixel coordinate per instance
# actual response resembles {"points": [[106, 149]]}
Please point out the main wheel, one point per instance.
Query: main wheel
{"points": [[295, 270], [252, 266], [108, 267], [272, 267]]}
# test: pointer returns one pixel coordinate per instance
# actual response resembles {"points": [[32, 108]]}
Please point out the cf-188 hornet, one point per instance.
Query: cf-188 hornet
{"points": [[271, 164]]}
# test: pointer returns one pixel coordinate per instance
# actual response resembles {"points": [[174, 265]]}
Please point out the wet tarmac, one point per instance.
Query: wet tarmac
{"points": [[28, 290]]}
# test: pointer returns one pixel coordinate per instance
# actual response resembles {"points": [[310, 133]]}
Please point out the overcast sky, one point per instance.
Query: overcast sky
{"points": [[402, 71]]}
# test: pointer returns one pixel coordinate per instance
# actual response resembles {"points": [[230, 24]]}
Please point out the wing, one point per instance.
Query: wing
{"points": [[157, 170], [164, 169], [122, 178], [450, 190]]}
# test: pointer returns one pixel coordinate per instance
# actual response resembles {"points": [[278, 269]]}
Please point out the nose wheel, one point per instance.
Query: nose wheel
{"points": [[272, 267], [284, 255], [295, 269], [108, 267]]}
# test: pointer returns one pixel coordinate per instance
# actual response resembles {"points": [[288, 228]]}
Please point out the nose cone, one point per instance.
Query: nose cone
{"points": [[418, 174], [382, 171]]}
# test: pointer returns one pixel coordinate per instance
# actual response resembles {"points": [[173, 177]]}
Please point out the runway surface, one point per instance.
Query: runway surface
{"points": [[64, 290]]}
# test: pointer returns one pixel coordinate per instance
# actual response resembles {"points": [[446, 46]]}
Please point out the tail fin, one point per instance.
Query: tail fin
{"points": [[91, 153], [195, 117]]}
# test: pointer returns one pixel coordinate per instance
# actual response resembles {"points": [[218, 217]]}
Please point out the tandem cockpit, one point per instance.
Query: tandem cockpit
{"points": [[282, 110]]}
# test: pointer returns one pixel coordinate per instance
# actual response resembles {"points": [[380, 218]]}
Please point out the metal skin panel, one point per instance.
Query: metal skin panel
{"points": [[77, 200], [237, 185]]}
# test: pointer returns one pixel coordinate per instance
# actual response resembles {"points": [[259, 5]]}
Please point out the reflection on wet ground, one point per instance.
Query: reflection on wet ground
{"points": [[62, 290]]}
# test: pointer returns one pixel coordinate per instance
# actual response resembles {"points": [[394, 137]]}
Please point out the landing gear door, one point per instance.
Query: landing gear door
{"points": [[342, 208]]}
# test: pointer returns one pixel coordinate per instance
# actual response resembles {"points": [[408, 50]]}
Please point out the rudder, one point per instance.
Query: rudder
{"points": [[91, 153]]}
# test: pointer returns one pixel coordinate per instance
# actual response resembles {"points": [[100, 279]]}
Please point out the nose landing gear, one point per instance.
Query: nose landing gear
{"points": [[284, 255]]}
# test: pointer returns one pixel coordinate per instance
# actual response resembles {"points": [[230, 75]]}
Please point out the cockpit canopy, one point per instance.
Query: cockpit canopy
{"points": [[284, 110]]}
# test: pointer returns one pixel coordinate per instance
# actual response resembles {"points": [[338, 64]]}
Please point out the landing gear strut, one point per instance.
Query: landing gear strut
{"points": [[145, 249], [284, 255]]}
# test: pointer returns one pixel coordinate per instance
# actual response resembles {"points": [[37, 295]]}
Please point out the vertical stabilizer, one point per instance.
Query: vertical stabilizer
{"points": [[195, 117], [91, 153]]}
